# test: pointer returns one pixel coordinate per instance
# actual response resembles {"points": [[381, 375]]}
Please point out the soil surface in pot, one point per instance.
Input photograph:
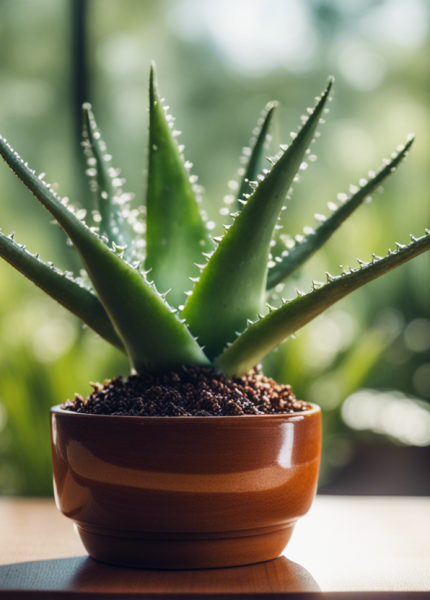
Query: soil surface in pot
{"points": [[193, 391]]}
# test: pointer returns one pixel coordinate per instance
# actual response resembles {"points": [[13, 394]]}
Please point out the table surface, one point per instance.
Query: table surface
{"points": [[344, 544]]}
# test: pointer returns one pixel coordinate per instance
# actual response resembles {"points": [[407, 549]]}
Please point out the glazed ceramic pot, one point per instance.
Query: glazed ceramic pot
{"points": [[185, 492]]}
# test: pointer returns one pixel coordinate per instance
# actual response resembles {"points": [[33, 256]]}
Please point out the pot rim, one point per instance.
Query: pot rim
{"points": [[315, 409]]}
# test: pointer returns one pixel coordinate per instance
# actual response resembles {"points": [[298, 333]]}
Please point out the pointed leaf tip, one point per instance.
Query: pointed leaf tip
{"points": [[113, 228], [301, 252], [176, 232], [255, 161], [232, 286]]}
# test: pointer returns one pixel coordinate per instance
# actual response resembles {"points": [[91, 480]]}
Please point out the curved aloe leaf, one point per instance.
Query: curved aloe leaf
{"points": [[233, 283], [265, 334], [61, 287], [303, 250], [254, 164], [176, 233], [106, 184], [153, 336]]}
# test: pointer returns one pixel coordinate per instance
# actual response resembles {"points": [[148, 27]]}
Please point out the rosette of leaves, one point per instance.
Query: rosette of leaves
{"points": [[138, 262]]}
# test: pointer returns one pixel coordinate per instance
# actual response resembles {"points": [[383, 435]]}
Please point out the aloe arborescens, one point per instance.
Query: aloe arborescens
{"points": [[224, 319]]}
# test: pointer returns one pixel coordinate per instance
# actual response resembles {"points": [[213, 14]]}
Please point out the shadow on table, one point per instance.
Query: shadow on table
{"points": [[83, 574]]}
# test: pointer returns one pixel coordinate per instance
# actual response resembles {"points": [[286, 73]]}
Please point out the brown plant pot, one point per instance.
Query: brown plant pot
{"points": [[185, 492]]}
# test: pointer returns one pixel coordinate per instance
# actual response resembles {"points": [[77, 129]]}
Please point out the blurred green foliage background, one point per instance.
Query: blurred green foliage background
{"points": [[219, 62]]}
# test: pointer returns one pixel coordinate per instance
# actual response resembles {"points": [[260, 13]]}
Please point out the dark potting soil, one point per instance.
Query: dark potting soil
{"points": [[193, 391]]}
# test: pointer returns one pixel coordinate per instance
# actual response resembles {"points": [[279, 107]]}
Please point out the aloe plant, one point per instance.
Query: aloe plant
{"points": [[138, 262]]}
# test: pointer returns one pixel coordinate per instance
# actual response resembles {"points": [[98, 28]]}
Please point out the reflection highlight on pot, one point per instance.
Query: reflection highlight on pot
{"points": [[286, 449]]}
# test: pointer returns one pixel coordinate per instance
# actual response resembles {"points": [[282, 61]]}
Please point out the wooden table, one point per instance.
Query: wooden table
{"points": [[344, 545]]}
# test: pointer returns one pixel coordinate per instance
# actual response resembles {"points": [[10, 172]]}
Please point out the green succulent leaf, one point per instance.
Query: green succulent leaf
{"points": [[231, 288], [61, 287], [303, 250], [255, 162], [176, 233], [153, 336], [264, 335], [106, 184]]}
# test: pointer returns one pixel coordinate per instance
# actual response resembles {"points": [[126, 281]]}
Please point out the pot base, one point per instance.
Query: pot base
{"points": [[188, 553]]}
